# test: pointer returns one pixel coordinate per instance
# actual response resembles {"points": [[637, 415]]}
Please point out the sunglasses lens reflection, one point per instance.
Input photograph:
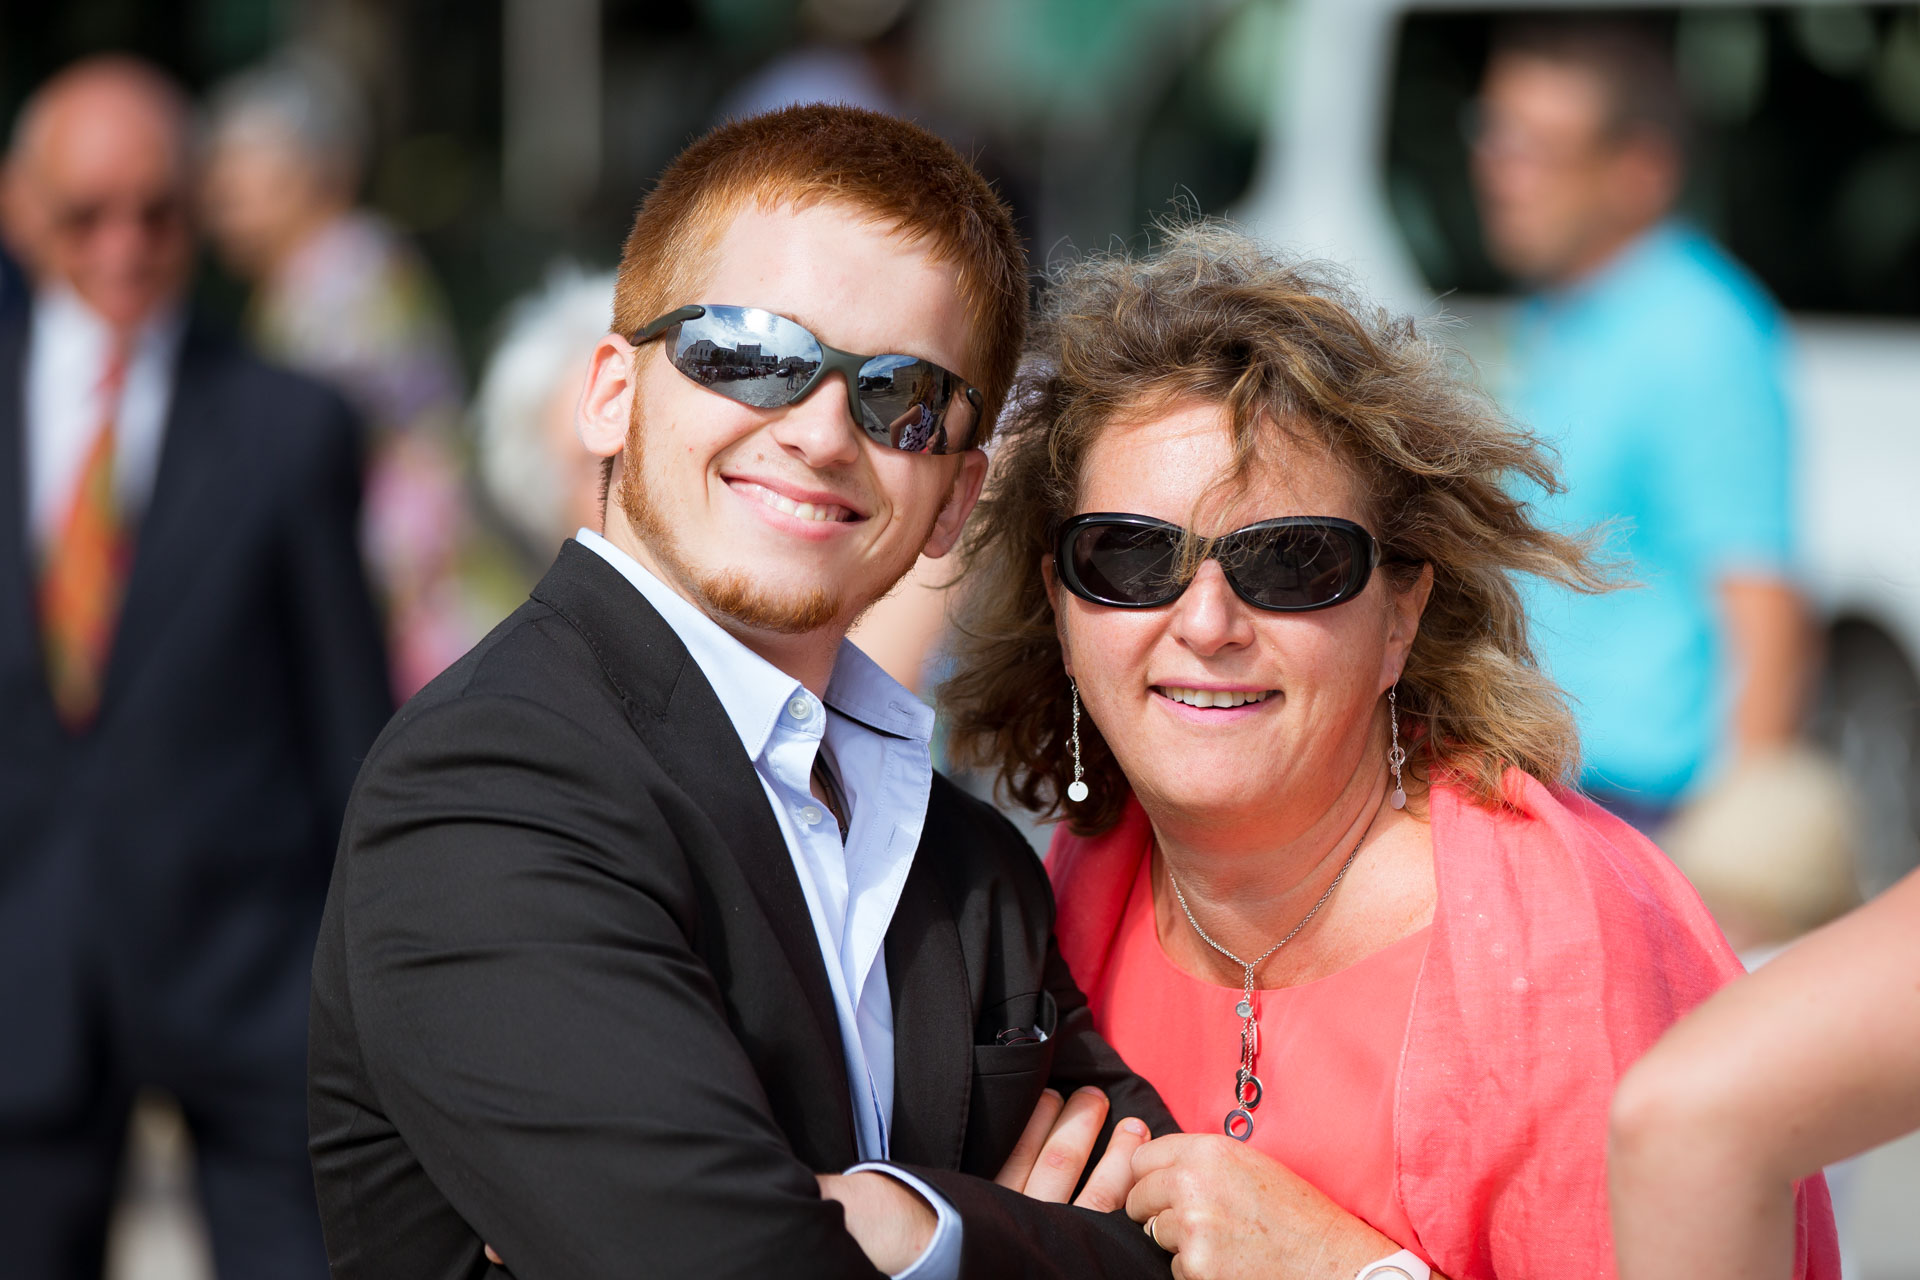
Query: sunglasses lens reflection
{"points": [[909, 403], [746, 354], [1127, 564], [1293, 566]]}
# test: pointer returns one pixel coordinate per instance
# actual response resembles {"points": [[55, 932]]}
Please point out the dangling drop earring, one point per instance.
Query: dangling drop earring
{"points": [[1076, 790], [1396, 756]]}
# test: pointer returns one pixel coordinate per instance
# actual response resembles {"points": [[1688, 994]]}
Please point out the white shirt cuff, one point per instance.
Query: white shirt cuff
{"points": [[940, 1260]]}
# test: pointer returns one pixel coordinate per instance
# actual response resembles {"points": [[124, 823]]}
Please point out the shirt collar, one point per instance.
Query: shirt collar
{"points": [[752, 691], [860, 689], [62, 316]]}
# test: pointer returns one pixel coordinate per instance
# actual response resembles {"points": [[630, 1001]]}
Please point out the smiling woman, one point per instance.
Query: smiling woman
{"points": [[1288, 360], [1243, 607]]}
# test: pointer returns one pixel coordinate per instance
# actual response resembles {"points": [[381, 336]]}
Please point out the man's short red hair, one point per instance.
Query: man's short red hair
{"points": [[897, 172]]}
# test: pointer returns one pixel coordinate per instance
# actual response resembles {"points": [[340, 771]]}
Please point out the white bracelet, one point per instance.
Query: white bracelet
{"points": [[1404, 1265]]}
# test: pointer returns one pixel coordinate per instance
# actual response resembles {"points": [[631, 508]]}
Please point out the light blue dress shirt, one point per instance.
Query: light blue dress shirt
{"points": [[877, 734], [1661, 381]]}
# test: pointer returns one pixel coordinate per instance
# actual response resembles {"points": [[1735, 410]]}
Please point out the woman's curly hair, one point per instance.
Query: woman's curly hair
{"points": [[1285, 346]]}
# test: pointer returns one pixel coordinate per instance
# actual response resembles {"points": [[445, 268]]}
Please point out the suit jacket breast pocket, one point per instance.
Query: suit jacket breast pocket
{"points": [[1007, 1078]]}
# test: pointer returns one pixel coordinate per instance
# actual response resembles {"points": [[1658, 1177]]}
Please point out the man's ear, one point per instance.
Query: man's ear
{"points": [[1648, 175], [606, 402], [967, 482]]}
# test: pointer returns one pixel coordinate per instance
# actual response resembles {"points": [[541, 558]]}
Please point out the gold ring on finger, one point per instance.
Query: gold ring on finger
{"points": [[1152, 1234]]}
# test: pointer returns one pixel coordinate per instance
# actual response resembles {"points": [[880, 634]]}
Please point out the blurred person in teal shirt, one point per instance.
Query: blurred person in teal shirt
{"points": [[1656, 366]]}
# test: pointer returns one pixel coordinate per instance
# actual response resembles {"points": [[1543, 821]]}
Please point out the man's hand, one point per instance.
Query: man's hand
{"points": [[888, 1219], [1054, 1147]]}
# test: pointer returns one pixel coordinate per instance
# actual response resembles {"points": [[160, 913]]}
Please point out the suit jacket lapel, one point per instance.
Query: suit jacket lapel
{"points": [[180, 511], [932, 1019], [679, 717]]}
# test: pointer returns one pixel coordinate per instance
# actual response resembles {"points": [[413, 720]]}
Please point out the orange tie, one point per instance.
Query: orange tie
{"points": [[87, 570]]}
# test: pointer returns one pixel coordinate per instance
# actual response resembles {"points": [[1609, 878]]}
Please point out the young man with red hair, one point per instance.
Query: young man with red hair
{"points": [[655, 945]]}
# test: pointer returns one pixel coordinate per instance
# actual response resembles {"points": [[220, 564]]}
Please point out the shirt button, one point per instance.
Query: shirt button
{"points": [[799, 709], [811, 815]]}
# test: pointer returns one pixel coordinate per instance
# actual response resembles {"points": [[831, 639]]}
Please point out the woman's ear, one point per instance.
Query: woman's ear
{"points": [[1403, 622], [606, 402], [1052, 580]]}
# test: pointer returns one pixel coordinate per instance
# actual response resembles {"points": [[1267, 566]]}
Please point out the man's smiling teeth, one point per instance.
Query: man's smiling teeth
{"points": [[824, 511], [1213, 697]]}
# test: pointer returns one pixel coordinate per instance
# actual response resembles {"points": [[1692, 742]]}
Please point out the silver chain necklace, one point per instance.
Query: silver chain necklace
{"points": [[1247, 1089]]}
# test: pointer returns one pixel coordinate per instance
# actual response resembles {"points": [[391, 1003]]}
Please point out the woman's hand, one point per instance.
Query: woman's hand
{"points": [[1226, 1212], [1053, 1149]]}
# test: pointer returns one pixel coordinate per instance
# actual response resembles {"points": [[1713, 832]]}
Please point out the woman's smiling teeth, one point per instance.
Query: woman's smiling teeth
{"points": [[823, 511], [1212, 697]]}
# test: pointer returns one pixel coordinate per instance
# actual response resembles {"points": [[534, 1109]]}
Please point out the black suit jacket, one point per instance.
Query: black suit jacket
{"points": [[162, 873], [568, 999]]}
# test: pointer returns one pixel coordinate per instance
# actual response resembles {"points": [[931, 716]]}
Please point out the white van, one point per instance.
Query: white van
{"points": [[1808, 169]]}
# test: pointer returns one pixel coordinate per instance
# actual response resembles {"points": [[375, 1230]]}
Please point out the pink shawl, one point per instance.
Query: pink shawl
{"points": [[1563, 944]]}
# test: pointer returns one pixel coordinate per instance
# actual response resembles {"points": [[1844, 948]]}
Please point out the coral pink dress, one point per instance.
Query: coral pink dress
{"points": [[1562, 945], [1329, 1056]]}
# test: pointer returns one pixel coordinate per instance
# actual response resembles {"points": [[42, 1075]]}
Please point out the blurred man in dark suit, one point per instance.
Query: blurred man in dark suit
{"points": [[190, 670]]}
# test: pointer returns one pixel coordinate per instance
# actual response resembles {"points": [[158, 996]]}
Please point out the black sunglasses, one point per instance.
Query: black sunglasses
{"points": [[760, 358], [1290, 565]]}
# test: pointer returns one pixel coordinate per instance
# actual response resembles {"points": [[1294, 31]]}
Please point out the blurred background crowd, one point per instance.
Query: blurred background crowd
{"points": [[1682, 243]]}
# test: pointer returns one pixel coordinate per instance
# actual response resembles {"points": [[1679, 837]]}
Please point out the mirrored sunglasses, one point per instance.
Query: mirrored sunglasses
{"points": [[762, 359]]}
